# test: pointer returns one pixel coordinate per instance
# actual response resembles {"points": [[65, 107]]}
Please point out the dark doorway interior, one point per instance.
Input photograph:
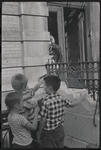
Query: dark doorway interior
{"points": [[72, 34], [52, 25]]}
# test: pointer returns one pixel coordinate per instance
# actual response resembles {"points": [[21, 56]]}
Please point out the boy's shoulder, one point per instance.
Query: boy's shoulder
{"points": [[14, 116], [51, 97], [27, 95], [27, 91]]}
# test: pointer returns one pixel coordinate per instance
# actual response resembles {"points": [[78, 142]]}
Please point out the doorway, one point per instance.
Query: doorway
{"points": [[66, 25], [74, 34], [56, 26]]}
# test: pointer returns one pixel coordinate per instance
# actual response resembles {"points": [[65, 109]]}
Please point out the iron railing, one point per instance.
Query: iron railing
{"points": [[86, 73], [80, 74]]}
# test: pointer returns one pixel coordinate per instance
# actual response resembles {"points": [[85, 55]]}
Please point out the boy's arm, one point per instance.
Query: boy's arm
{"points": [[43, 113], [33, 126], [36, 87], [24, 112], [29, 105], [79, 100]]}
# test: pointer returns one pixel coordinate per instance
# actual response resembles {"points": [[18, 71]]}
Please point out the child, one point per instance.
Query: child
{"points": [[19, 84], [51, 132], [19, 125]]}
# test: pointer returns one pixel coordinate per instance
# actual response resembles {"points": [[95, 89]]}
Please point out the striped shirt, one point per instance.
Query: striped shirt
{"points": [[22, 136], [28, 109], [53, 109]]}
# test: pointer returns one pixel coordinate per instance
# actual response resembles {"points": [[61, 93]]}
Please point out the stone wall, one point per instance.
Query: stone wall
{"points": [[95, 29], [25, 40]]}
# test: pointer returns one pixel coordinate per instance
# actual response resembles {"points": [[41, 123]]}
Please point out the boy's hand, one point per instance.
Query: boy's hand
{"points": [[31, 117], [37, 109], [41, 81], [38, 137], [42, 77], [34, 105]]}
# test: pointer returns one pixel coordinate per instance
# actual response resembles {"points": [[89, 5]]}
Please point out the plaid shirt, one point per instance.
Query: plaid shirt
{"points": [[53, 109]]}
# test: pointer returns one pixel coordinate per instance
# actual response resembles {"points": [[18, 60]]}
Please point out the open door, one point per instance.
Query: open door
{"points": [[56, 26], [74, 34], [81, 36]]}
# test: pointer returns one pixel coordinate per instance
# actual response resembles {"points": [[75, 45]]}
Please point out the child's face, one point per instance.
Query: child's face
{"points": [[46, 88], [25, 87]]}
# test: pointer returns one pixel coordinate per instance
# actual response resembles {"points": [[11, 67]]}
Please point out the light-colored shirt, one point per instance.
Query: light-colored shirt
{"points": [[17, 123], [27, 95]]}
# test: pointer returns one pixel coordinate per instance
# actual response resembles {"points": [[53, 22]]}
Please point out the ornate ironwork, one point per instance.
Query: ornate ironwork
{"points": [[87, 73]]}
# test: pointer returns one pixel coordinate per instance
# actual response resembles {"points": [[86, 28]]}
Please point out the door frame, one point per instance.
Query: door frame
{"points": [[60, 24], [59, 8]]}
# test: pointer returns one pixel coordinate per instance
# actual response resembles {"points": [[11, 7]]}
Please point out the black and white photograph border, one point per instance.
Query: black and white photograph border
{"points": [[61, 39]]}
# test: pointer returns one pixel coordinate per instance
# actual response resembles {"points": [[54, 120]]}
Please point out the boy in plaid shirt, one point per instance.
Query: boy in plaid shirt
{"points": [[51, 132]]}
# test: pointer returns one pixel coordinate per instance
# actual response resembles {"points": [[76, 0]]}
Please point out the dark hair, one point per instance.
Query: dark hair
{"points": [[12, 99], [18, 81], [54, 81]]}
